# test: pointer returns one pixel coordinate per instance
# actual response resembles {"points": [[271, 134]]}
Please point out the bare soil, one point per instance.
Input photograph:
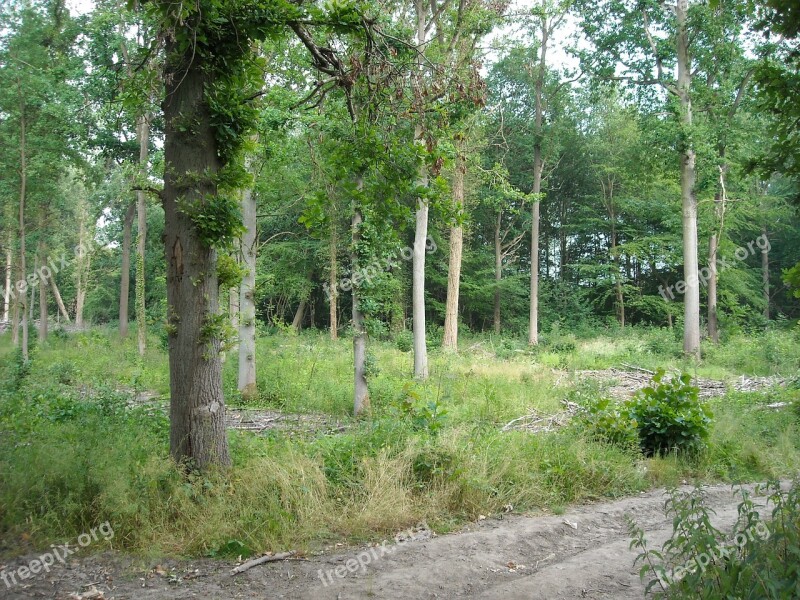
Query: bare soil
{"points": [[581, 554]]}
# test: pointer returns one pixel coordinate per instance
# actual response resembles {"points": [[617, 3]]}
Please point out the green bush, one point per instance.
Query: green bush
{"points": [[757, 560], [670, 416], [605, 420], [404, 341]]}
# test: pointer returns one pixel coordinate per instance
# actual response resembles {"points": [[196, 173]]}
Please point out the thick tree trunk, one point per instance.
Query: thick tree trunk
{"points": [[197, 405], [713, 324], [143, 127], [247, 300], [361, 401], [450, 340], [125, 277], [498, 270], [691, 300], [7, 295], [765, 272]]}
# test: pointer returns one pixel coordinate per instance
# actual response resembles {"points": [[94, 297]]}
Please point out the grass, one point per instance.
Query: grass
{"points": [[73, 455]]}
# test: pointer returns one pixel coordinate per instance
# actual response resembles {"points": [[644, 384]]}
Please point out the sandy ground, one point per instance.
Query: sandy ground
{"points": [[581, 554]]}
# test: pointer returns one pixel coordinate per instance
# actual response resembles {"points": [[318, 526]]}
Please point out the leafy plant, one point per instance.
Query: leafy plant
{"points": [[757, 560], [607, 421], [669, 415]]}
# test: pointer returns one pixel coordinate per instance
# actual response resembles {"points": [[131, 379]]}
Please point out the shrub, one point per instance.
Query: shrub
{"points": [[757, 560], [404, 341], [669, 415], [605, 420]]}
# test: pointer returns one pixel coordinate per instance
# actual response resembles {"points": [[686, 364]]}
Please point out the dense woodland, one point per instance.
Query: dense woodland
{"points": [[213, 171], [282, 275]]}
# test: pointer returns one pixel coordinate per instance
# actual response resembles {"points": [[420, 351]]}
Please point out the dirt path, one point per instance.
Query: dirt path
{"points": [[581, 554]]}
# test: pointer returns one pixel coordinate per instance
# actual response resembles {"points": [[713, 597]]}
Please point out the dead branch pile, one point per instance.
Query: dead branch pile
{"points": [[536, 422]]}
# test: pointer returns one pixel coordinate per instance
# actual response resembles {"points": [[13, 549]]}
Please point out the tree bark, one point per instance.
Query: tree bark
{"points": [[450, 340], [713, 324], [299, 316], [15, 321], [7, 296], [533, 330], [41, 250], [197, 405], [765, 272], [59, 301], [83, 260], [420, 234], [361, 400], [23, 184], [143, 127], [498, 270], [125, 277], [691, 300], [334, 286], [247, 300]]}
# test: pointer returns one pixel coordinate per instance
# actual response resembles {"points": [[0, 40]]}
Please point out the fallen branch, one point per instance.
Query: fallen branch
{"points": [[640, 369], [261, 560]]}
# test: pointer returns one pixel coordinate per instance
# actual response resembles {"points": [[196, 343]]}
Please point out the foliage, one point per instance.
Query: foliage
{"points": [[670, 416], [756, 560]]}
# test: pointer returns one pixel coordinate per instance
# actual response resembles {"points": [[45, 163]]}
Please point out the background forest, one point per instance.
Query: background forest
{"points": [[402, 227]]}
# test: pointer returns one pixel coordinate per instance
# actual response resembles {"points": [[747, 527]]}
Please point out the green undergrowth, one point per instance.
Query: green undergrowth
{"points": [[74, 452]]}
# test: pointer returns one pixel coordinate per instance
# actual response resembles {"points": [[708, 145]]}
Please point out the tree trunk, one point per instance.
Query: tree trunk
{"points": [[7, 296], [765, 271], [450, 340], [361, 391], [23, 184], [197, 404], [82, 270], [498, 270], [15, 321], [691, 300], [334, 284], [59, 301], [143, 127], [533, 330], [125, 277], [299, 316], [41, 250], [247, 300], [616, 261], [420, 233], [713, 324]]}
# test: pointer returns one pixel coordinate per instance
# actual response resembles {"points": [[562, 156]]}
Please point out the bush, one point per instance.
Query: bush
{"points": [[757, 560], [604, 420], [404, 341], [669, 415]]}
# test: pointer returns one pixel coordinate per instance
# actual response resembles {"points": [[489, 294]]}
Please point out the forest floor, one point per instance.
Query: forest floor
{"points": [[583, 553]]}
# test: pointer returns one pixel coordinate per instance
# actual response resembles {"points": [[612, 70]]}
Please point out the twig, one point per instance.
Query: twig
{"points": [[261, 560]]}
